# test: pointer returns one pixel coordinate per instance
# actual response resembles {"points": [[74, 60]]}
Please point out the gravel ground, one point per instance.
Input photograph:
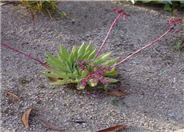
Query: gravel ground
{"points": [[154, 78]]}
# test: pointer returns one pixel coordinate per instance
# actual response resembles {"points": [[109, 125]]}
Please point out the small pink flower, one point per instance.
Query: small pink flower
{"points": [[105, 81], [84, 80], [175, 21], [96, 75], [94, 80], [122, 12]]}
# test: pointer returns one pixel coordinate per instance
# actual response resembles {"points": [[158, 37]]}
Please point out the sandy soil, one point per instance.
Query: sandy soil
{"points": [[154, 78]]}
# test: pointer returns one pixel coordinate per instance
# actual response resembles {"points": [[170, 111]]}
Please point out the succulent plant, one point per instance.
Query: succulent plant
{"points": [[80, 67], [83, 65]]}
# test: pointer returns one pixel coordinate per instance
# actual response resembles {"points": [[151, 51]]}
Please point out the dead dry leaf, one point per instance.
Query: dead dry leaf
{"points": [[116, 93], [12, 94], [50, 126], [182, 46], [113, 129], [25, 117], [175, 11], [52, 79], [45, 65]]}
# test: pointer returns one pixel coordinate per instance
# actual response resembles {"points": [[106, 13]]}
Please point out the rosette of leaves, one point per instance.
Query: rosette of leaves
{"points": [[65, 66]]}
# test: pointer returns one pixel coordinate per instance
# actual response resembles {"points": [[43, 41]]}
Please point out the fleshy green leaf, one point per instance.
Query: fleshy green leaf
{"points": [[86, 55], [54, 62], [59, 82], [74, 50], [92, 55], [112, 80], [89, 47], [75, 73], [81, 51], [110, 73], [56, 67], [84, 74], [68, 66], [110, 62], [61, 74], [71, 75], [102, 58], [63, 52], [64, 81]]}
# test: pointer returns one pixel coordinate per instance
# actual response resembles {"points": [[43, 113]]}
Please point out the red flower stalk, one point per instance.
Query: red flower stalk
{"points": [[27, 55], [120, 12], [173, 21]]}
